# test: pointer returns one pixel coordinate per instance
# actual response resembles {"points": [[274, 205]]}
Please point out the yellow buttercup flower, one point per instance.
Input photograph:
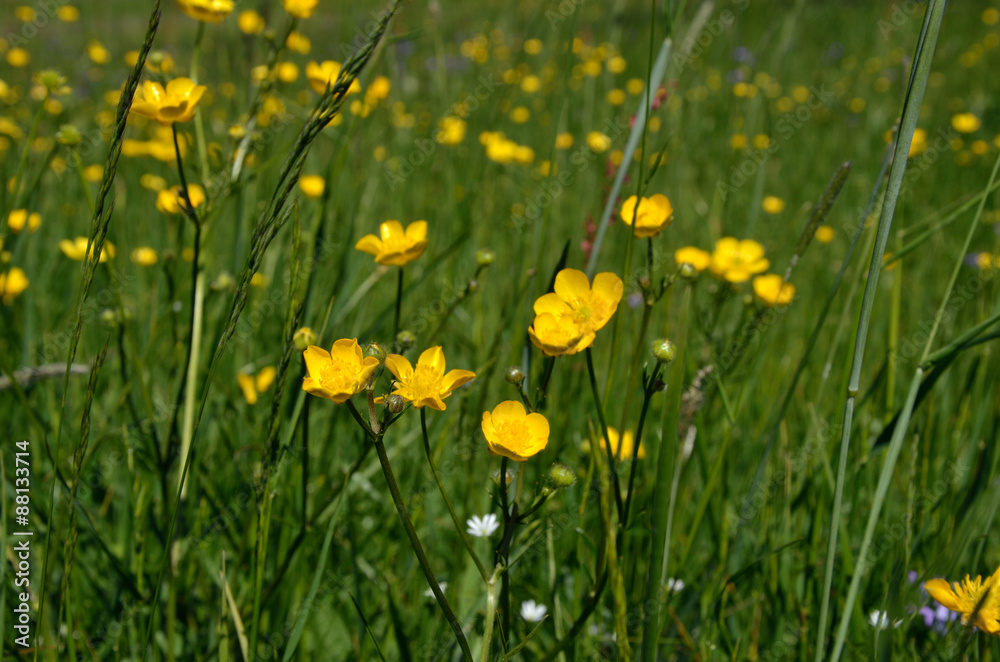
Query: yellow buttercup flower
{"points": [[427, 384], [694, 256], [598, 142], [312, 185], [625, 442], [300, 8], [567, 320], [169, 201], [339, 373], [965, 123], [965, 598], [254, 386], [144, 256], [174, 103], [513, 433], [655, 214], [451, 130], [211, 11], [773, 291], [736, 261], [12, 283], [76, 249], [772, 204], [250, 22], [18, 219], [322, 73], [395, 246], [825, 234]]}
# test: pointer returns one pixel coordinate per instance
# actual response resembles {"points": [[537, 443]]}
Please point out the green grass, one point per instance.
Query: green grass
{"points": [[288, 496]]}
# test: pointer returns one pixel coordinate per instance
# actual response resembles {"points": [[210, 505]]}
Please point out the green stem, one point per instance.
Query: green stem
{"points": [[491, 611], [199, 128], [604, 432], [399, 303], [22, 164], [447, 501]]}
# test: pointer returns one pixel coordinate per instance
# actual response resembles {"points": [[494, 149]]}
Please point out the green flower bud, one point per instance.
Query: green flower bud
{"points": [[514, 375], [495, 477], [109, 317], [303, 338], [561, 476], [376, 350], [405, 339], [688, 271], [69, 135], [395, 403], [485, 257], [223, 281], [473, 286], [664, 350]]}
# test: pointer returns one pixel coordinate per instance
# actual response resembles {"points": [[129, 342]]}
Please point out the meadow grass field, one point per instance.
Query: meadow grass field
{"points": [[551, 330]]}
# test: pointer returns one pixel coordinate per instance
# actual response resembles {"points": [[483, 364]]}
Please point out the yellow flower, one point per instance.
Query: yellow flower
{"points": [[298, 42], [288, 72], [427, 384], [76, 249], [144, 256], [655, 214], [735, 260], [212, 11], [965, 123], [18, 57], [321, 74], [169, 201], [339, 373], [567, 320], [738, 141], [12, 283], [250, 22], [312, 185], [175, 103], [396, 247], [97, 53], [564, 141], [19, 218], [773, 291], [598, 142], [68, 14], [513, 433], [966, 597], [694, 256], [772, 204], [626, 442], [253, 386], [300, 8], [451, 130], [824, 234]]}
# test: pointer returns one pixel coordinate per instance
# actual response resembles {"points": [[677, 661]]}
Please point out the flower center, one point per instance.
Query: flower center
{"points": [[424, 381], [512, 432], [338, 376]]}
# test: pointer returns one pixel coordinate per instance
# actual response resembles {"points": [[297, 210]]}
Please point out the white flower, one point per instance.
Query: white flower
{"points": [[532, 612], [675, 585], [482, 527], [880, 620], [430, 592]]}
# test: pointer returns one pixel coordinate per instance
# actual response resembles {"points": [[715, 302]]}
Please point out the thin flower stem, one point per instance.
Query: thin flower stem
{"points": [[447, 501], [418, 549], [604, 432], [648, 395], [399, 303], [19, 173], [503, 550], [199, 128], [491, 611]]}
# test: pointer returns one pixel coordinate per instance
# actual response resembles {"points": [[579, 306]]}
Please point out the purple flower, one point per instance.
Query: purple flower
{"points": [[742, 54], [937, 618]]}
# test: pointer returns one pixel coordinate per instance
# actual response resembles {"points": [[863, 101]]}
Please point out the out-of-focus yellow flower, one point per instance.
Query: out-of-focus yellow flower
{"points": [[300, 8], [451, 130], [971, 596], [616, 64], [170, 201], [773, 291], [738, 141], [339, 373], [68, 14], [655, 214], [533, 46], [322, 73], [377, 90], [625, 442], [97, 53], [93, 173], [210, 11], [824, 234], [18, 57], [513, 433], [174, 103], [144, 256], [531, 84], [11, 129], [567, 320], [258, 280], [312, 185], [694, 256], [395, 246], [772, 204], [18, 219], [991, 16], [298, 42], [427, 384], [598, 142], [12, 284], [151, 182], [253, 386], [520, 115], [288, 72], [965, 123], [49, 81], [564, 141], [635, 86], [250, 22], [76, 249], [616, 97], [736, 261]]}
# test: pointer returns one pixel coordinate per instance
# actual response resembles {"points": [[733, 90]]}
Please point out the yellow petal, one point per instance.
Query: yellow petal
{"points": [[265, 378], [399, 367], [609, 287], [417, 231], [369, 244], [433, 357], [508, 410], [571, 285], [247, 386], [941, 591], [316, 358], [391, 229], [456, 378], [552, 304]]}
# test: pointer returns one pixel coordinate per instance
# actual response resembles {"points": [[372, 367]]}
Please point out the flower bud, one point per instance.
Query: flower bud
{"points": [[688, 271], [109, 317], [514, 375], [376, 350], [223, 281], [495, 477], [69, 135], [485, 257], [664, 350], [561, 476], [303, 338], [52, 80], [405, 339], [473, 286], [395, 403]]}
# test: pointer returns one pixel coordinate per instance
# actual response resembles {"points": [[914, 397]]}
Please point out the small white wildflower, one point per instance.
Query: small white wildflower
{"points": [[430, 592], [532, 612], [482, 527], [675, 585], [880, 620]]}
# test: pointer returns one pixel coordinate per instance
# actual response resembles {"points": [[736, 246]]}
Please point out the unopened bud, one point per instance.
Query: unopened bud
{"points": [[514, 375], [485, 257], [405, 339], [109, 317], [561, 476], [395, 403], [473, 285], [223, 281], [495, 477], [376, 350], [69, 135], [304, 338], [664, 350], [688, 271]]}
